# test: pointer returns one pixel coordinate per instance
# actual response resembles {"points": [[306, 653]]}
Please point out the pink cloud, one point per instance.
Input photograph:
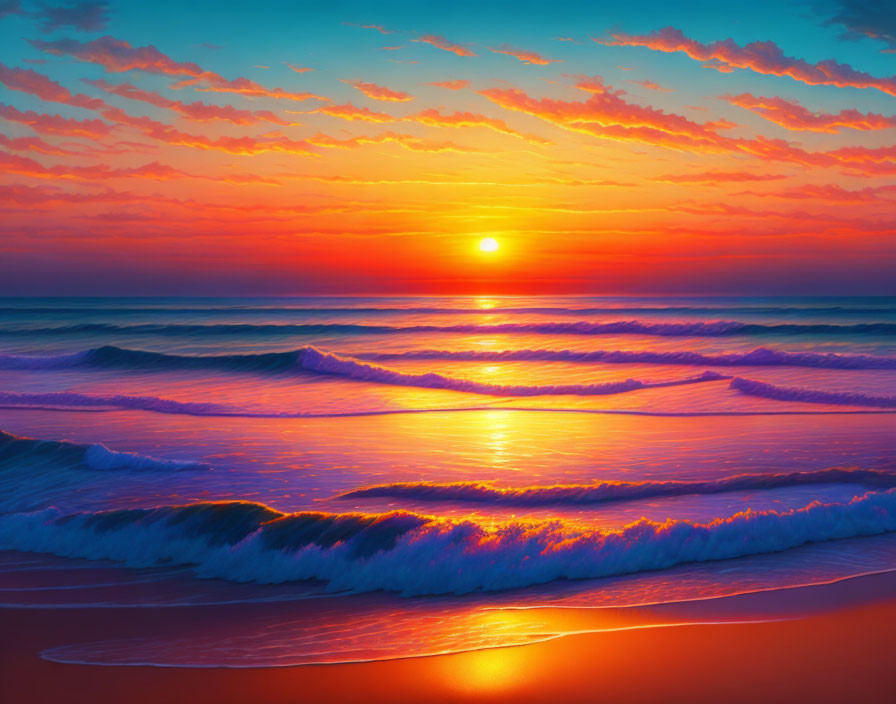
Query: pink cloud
{"points": [[118, 56], [34, 83], [761, 57], [195, 111], [714, 177], [30, 144], [55, 124]]}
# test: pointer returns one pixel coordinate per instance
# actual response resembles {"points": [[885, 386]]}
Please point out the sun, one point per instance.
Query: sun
{"points": [[488, 244]]}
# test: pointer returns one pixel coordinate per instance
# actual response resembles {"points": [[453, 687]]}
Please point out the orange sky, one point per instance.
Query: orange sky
{"points": [[337, 152]]}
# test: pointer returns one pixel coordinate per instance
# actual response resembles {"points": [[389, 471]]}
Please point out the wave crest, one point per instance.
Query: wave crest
{"points": [[608, 491], [762, 389], [416, 554], [16, 452]]}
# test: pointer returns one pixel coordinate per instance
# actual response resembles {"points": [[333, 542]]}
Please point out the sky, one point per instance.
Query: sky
{"points": [[272, 148]]}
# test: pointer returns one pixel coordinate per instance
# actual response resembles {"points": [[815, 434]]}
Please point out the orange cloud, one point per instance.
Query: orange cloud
{"points": [[527, 57], [372, 90], [405, 140], [299, 69], [444, 44], [607, 114], [351, 112], [458, 84], [194, 111], [794, 116], [650, 85], [761, 57], [434, 118]]}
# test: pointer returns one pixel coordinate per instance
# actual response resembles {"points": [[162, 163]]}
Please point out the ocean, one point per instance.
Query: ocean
{"points": [[438, 474]]}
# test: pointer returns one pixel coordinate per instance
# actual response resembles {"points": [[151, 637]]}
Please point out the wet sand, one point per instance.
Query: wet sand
{"points": [[837, 655]]}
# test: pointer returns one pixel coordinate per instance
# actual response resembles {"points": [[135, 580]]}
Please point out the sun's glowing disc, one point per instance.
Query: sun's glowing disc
{"points": [[489, 244]]}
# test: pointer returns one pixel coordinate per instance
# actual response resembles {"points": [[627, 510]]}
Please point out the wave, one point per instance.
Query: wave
{"points": [[68, 401], [17, 451], [328, 363], [789, 393], [716, 328], [761, 356], [310, 359], [416, 554], [608, 491]]}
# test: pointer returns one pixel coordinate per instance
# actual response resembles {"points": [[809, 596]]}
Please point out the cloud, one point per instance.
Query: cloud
{"points": [[298, 69], [405, 140], [607, 114], [458, 84], [378, 27], [55, 124], [351, 112], [433, 118], [10, 7], [30, 144], [715, 177], [860, 18], [195, 111], [118, 56], [34, 83], [99, 172], [761, 57], [86, 16], [527, 57], [372, 90], [232, 145], [830, 193], [793, 116], [444, 44], [650, 85]]}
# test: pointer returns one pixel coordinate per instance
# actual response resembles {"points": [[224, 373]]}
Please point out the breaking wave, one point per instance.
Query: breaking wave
{"points": [[412, 554], [608, 491], [789, 393], [761, 356], [16, 452], [717, 328], [310, 359]]}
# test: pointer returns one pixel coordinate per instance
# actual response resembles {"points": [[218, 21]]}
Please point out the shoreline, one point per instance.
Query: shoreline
{"points": [[841, 653]]}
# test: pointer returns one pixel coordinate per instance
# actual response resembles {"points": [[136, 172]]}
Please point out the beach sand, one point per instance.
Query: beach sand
{"points": [[836, 655]]}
